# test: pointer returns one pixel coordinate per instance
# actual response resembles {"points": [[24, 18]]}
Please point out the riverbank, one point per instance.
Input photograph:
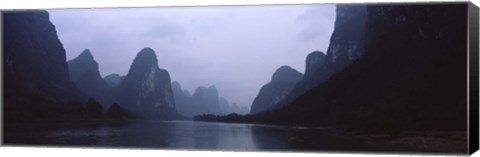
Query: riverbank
{"points": [[433, 141], [449, 142]]}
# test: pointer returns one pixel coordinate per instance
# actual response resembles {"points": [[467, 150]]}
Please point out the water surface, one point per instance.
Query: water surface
{"points": [[187, 135]]}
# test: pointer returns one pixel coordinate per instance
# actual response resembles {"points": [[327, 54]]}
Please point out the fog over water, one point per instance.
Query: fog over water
{"points": [[235, 48]]}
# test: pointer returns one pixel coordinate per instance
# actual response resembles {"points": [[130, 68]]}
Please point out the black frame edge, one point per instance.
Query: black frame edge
{"points": [[473, 132]]}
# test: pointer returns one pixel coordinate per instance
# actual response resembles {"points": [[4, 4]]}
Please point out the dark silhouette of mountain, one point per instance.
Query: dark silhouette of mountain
{"points": [[206, 100], [85, 75], [183, 99], [283, 80], [347, 44], [411, 77], [36, 79], [116, 112], [94, 109], [314, 61], [146, 89], [113, 80]]}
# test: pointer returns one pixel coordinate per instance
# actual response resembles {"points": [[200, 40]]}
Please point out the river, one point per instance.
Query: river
{"points": [[184, 135]]}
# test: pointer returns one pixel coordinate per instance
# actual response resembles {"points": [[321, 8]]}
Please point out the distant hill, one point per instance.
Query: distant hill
{"points": [[85, 75], [410, 76], [203, 101], [282, 82], [113, 80]]}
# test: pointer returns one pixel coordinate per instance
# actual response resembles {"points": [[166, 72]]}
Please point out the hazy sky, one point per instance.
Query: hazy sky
{"points": [[235, 48]]}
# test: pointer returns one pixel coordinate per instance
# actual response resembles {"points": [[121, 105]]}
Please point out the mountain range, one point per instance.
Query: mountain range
{"points": [[145, 91], [388, 69], [203, 101]]}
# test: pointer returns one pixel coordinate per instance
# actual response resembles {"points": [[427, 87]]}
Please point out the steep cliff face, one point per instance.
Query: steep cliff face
{"points": [[411, 75], [34, 58], [347, 44], [348, 39], [283, 80], [84, 73], [147, 89], [36, 83]]}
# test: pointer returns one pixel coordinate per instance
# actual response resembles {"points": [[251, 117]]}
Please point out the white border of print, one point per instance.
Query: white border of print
{"points": [[83, 152]]}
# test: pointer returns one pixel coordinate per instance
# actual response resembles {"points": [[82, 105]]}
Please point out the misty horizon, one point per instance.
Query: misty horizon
{"points": [[235, 48]]}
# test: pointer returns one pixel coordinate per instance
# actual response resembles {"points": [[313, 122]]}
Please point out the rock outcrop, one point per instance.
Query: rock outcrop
{"points": [[113, 80], [36, 81], [347, 44], [283, 80], [146, 89], [206, 100], [85, 75], [34, 57], [183, 100], [314, 61]]}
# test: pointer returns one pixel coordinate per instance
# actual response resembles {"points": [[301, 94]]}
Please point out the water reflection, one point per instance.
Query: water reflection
{"points": [[156, 134], [183, 135], [268, 137], [236, 137]]}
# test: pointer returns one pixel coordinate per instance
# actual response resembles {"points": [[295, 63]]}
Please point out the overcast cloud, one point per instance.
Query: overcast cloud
{"points": [[235, 48]]}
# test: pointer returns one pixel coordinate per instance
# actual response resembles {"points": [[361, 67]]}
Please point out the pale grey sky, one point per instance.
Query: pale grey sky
{"points": [[235, 48]]}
